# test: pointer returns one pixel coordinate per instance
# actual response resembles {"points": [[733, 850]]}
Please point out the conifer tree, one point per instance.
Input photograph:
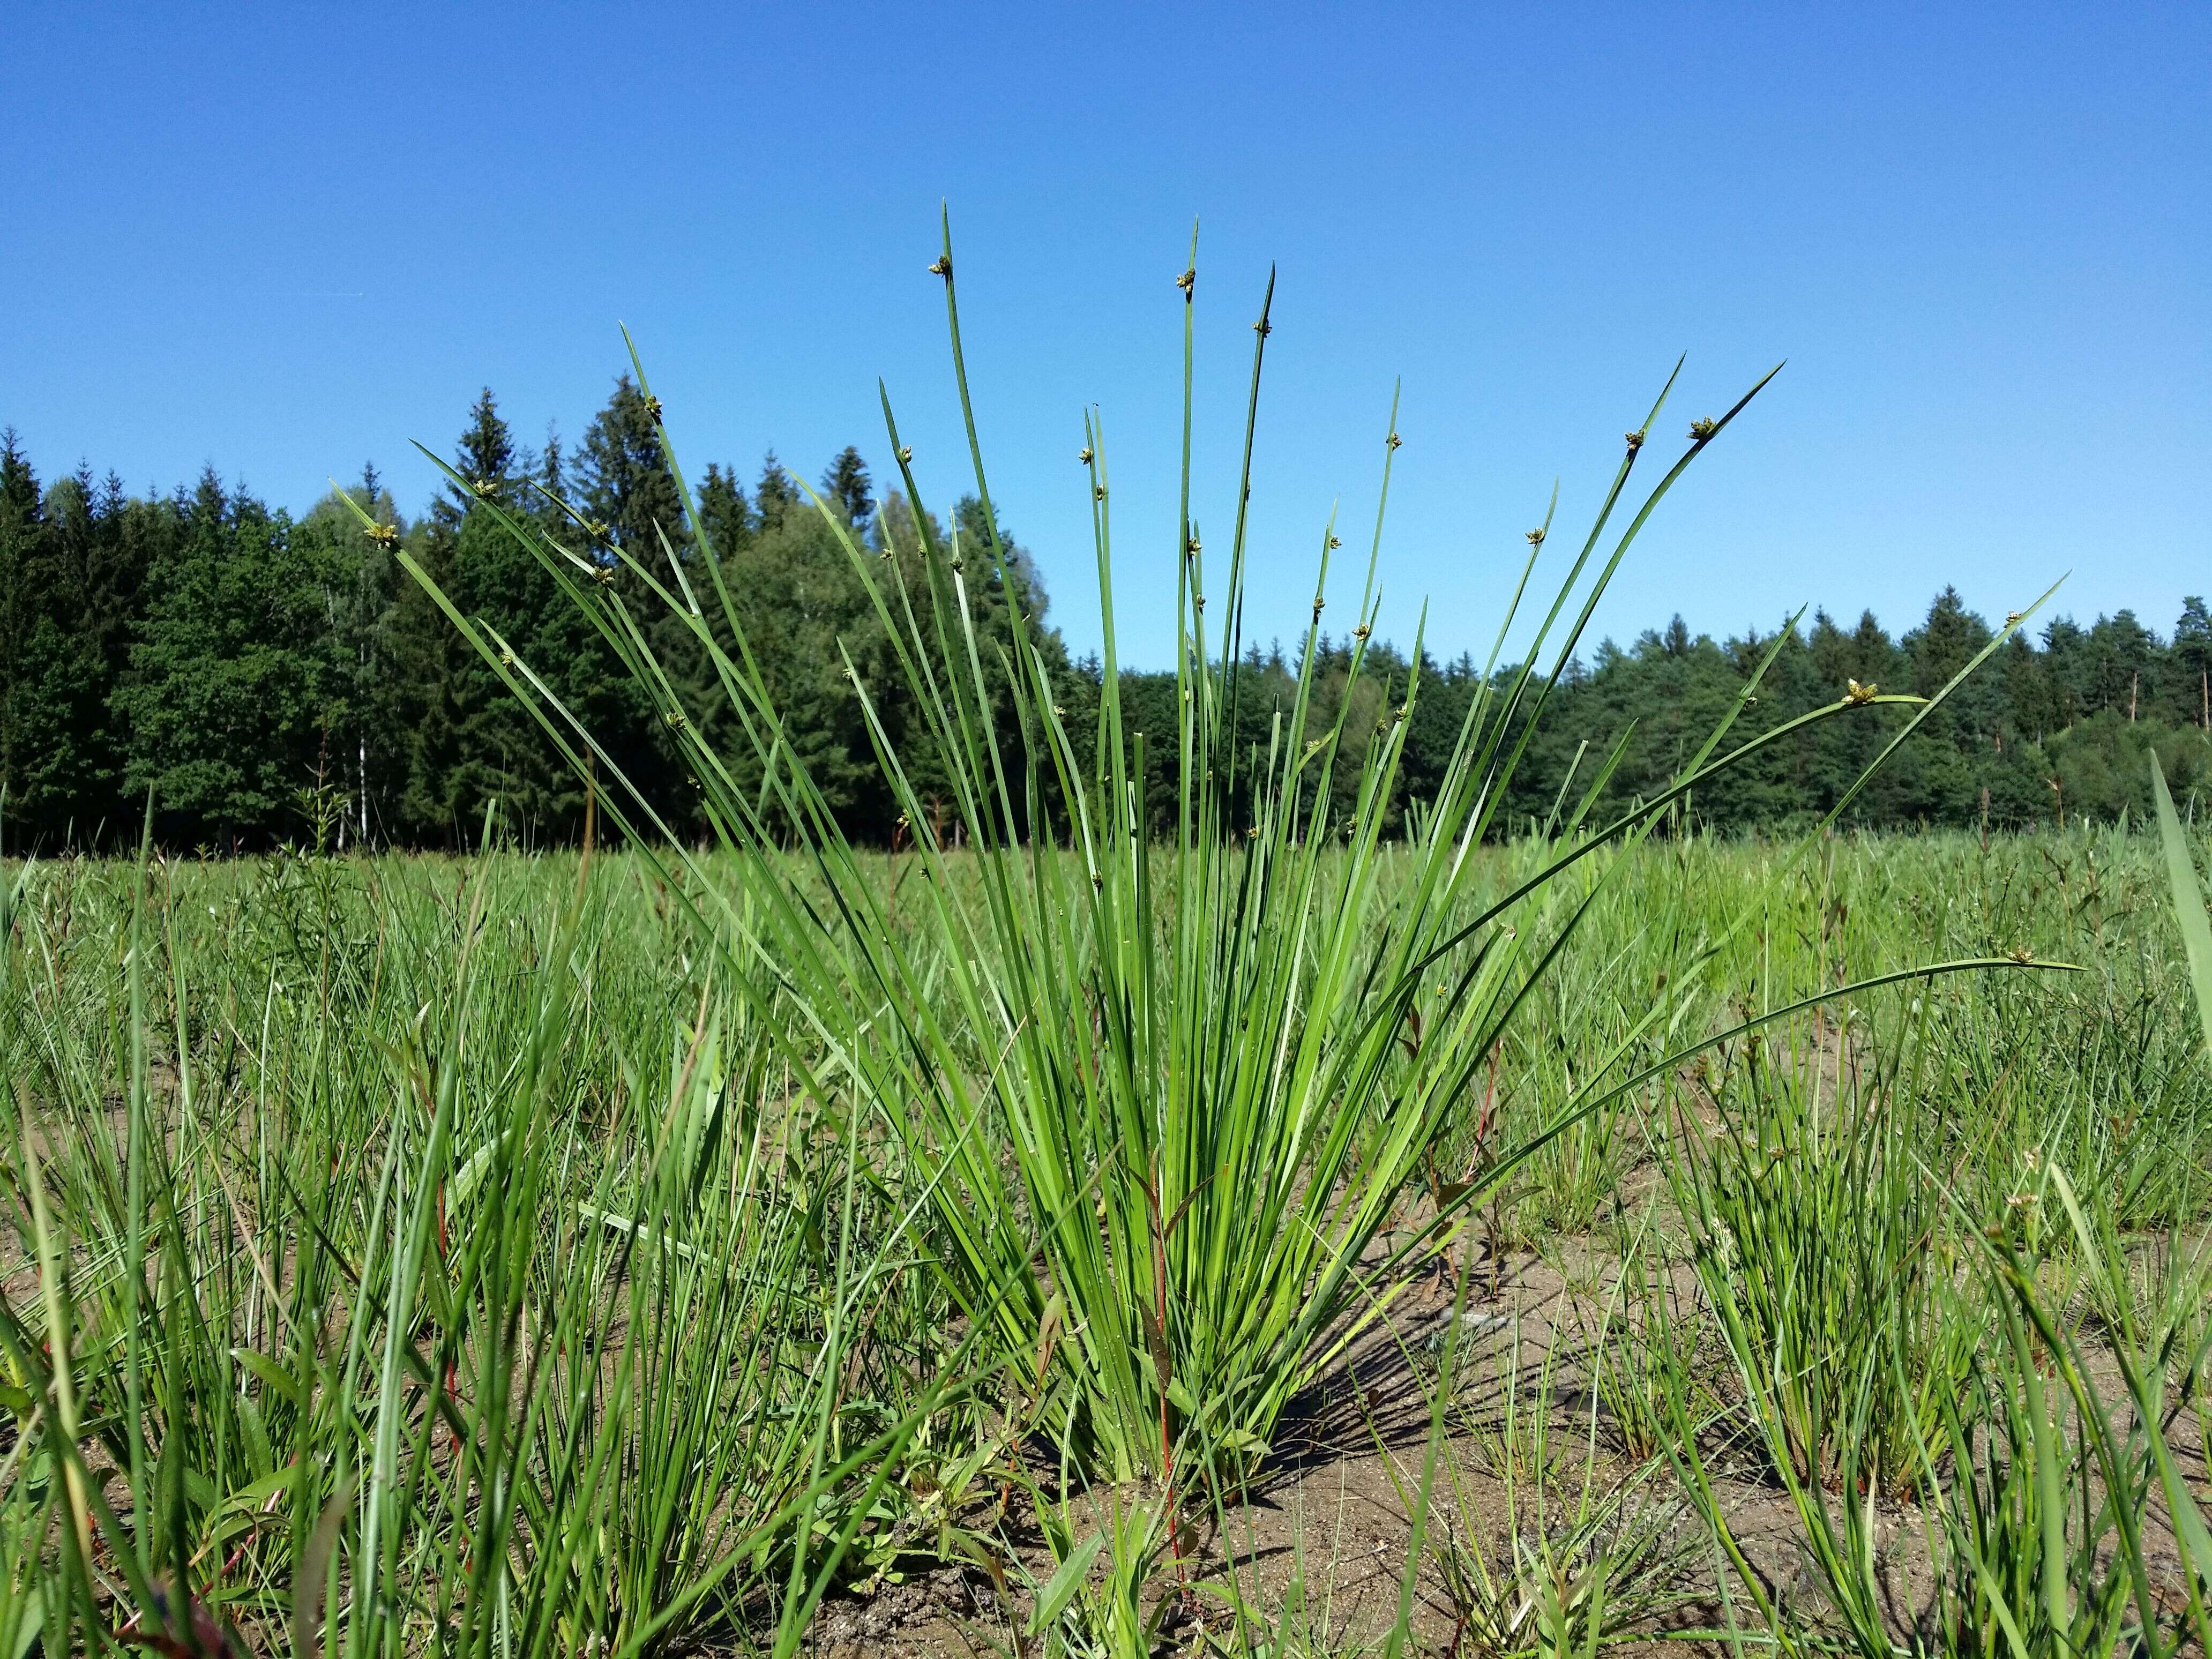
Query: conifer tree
{"points": [[442, 698], [22, 534], [847, 488], [774, 495], [724, 513], [2191, 701], [369, 766], [622, 480], [86, 589], [231, 711], [485, 455]]}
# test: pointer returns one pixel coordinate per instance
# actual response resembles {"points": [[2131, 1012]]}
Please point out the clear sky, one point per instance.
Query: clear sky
{"points": [[289, 239]]}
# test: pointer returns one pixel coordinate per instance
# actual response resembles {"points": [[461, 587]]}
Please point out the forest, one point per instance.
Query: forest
{"points": [[272, 679]]}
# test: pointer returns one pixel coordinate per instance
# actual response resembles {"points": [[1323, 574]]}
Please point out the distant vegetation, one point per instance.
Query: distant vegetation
{"points": [[262, 674]]}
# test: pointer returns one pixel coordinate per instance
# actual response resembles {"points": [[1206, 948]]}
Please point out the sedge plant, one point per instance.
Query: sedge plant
{"points": [[370, 1346], [1165, 1094]]}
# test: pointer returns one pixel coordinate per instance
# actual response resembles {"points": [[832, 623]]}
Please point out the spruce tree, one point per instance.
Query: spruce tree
{"points": [[452, 752], [2191, 698], [485, 457], [624, 487], [847, 488], [22, 537], [724, 513], [237, 674], [550, 480], [622, 480], [85, 590], [368, 767], [774, 495]]}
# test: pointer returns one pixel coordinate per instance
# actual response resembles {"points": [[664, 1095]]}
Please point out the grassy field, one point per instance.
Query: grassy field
{"points": [[1349, 1222], [505, 1285]]}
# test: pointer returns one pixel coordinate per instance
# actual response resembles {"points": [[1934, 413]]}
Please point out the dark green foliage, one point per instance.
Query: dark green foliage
{"points": [[236, 674], [623, 484], [72, 562], [848, 490], [241, 663], [725, 516], [776, 495]]}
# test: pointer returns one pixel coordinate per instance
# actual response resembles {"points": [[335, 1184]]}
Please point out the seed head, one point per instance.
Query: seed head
{"points": [[2013, 618], [1395, 440], [1263, 328], [942, 266], [1191, 547], [1188, 281], [507, 659], [1362, 631], [676, 720], [597, 530], [1336, 541], [1854, 694], [384, 535], [1084, 454], [485, 485], [653, 410], [1199, 599], [906, 453], [1635, 442], [1536, 536], [1099, 492], [1318, 602], [1701, 430], [603, 574]]}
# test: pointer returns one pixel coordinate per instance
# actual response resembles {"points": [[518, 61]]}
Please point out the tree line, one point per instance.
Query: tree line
{"points": [[272, 678]]}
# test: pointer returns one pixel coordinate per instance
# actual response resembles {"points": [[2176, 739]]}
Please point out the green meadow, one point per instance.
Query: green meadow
{"points": [[1184, 1189]]}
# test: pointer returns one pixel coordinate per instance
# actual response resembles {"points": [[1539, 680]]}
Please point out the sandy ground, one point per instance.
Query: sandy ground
{"points": [[1327, 1509]]}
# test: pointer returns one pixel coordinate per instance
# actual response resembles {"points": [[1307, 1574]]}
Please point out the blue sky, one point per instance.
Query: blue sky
{"points": [[287, 241]]}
